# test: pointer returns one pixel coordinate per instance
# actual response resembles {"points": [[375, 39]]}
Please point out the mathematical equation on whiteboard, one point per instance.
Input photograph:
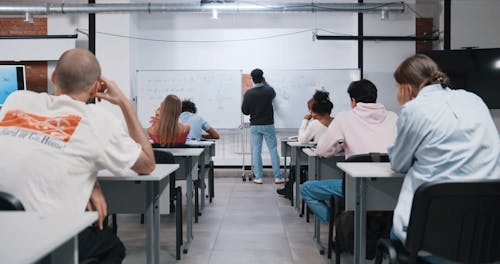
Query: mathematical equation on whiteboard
{"points": [[218, 93], [215, 93]]}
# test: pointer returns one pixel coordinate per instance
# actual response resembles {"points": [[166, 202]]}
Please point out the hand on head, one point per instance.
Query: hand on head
{"points": [[406, 93], [308, 116], [110, 92]]}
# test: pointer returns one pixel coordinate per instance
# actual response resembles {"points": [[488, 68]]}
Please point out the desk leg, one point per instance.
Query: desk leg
{"points": [[149, 222], [156, 221], [360, 222], [65, 253], [211, 180], [202, 179], [298, 202], [313, 174], [189, 204]]}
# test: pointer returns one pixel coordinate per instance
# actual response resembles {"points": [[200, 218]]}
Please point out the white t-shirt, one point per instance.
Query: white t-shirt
{"points": [[53, 146], [311, 130]]}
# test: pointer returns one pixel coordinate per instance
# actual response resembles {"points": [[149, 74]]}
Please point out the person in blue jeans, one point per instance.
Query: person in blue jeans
{"points": [[258, 103]]}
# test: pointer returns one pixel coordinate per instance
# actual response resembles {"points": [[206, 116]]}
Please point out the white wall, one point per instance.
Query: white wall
{"points": [[66, 25], [382, 57]]}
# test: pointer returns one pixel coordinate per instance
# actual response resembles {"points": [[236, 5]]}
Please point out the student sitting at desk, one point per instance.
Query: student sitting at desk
{"points": [[196, 123], [443, 134], [318, 119], [367, 127], [165, 128], [314, 125], [56, 144]]}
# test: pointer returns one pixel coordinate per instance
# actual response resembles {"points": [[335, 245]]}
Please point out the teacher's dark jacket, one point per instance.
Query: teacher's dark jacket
{"points": [[258, 103]]}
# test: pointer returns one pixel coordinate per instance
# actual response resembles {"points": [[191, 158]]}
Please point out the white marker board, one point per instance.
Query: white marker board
{"points": [[216, 93], [295, 87]]}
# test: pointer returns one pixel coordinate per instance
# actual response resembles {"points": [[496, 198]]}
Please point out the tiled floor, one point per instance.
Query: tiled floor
{"points": [[246, 223]]}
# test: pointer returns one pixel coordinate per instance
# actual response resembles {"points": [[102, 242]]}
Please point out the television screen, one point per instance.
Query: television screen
{"points": [[475, 70], [11, 79]]}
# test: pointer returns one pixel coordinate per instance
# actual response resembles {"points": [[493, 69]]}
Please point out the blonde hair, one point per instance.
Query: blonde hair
{"points": [[167, 128], [418, 71]]}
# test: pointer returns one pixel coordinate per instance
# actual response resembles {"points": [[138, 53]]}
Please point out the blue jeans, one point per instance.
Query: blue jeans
{"points": [[269, 134], [315, 193]]}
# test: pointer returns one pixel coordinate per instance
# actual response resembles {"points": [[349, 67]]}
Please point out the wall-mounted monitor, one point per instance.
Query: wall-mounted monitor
{"points": [[12, 78], [475, 70]]}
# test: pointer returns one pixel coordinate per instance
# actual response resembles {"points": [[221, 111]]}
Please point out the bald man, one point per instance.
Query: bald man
{"points": [[57, 143]]}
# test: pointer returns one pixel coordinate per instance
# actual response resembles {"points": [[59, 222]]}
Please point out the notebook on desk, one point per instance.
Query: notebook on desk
{"points": [[292, 138]]}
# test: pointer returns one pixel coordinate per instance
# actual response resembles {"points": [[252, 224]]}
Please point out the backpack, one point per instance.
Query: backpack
{"points": [[378, 225]]}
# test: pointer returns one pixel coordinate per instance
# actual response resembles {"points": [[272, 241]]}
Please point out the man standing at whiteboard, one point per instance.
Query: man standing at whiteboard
{"points": [[258, 103]]}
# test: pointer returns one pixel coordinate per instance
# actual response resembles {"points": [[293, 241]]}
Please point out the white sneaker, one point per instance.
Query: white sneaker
{"points": [[279, 180], [257, 181]]}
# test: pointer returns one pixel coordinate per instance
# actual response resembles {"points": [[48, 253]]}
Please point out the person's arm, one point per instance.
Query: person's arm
{"points": [[402, 153], [212, 134], [145, 164], [97, 202], [245, 106], [305, 132], [328, 145]]}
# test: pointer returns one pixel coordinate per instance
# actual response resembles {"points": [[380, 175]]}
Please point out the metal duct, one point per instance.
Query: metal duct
{"points": [[247, 7]]}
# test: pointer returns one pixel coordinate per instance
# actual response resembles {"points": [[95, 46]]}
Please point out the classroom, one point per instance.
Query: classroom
{"points": [[214, 199]]}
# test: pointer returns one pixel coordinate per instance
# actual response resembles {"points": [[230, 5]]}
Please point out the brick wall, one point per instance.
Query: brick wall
{"points": [[36, 71], [423, 28]]}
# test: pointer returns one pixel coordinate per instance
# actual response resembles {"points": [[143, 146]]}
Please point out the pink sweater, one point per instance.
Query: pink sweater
{"points": [[365, 128]]}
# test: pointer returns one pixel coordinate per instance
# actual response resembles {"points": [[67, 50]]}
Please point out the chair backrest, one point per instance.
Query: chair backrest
{"points": [[10, 203], [163, 157], [459, 221]]}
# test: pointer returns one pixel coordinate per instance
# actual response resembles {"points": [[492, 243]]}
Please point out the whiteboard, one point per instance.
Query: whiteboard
{"points": [[295, 87], [216, 93]]}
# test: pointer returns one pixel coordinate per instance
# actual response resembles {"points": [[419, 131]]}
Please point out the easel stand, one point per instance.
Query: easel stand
{"points": [[244, 139]]}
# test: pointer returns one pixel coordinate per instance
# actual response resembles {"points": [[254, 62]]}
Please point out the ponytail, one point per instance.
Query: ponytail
{"points": [[418, 71]]}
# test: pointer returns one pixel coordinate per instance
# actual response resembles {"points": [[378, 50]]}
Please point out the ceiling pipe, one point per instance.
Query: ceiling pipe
{"points": [[236, 7]]}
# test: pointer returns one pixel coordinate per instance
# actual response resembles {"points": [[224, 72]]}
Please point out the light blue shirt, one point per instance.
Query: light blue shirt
{"points": [[196, 123], [442, 134]]}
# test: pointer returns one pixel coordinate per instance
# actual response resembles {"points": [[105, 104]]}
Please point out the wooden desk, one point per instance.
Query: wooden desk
{"points": [[386, 183], [187, 159], [320, 168], [135, 194], [206, 160], [298, 158], [26, 237]]}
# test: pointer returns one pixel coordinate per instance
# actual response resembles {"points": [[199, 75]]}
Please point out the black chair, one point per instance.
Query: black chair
{"points": [[337, 203], [10, 203], [458, 221]]}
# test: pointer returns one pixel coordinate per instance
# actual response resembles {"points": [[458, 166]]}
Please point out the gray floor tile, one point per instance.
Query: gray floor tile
{"points": [[246, 223]]}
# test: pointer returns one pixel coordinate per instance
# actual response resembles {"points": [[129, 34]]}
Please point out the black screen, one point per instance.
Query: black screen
{"points": [[475, 70]]}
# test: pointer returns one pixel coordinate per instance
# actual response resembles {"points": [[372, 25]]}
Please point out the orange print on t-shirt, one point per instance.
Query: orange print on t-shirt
{"points": [[61, 127]]}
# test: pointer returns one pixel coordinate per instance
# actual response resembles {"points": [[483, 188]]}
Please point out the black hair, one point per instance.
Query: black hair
{"points": [[188, 106], [257, 76], [363, 91], [322, 104]]}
